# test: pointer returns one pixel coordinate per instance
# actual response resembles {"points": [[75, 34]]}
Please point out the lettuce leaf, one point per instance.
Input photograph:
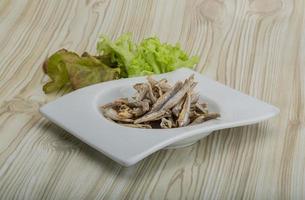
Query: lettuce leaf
{"points": [[149, 57], [67, 69], [121, 51], [117, 59]]}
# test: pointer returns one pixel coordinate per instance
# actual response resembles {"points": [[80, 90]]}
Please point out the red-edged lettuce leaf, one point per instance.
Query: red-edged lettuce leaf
{"points": [[67, 69]]}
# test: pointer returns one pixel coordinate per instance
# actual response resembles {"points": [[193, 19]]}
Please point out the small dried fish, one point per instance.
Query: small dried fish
{"points": [[195, 98], [163, 81], [201, 107], [150, 94], [116, 103], [163, 85], [147, 126], [174, 122], [165, 97], [194, 114], [138, 108], [137, 112], [193, 85], [121, 101], [180, 94], [150, 117], [143, 104], [151, 81], [123, 108], [184, 118], [157, 91], [125, 112], [205, 117], [139, 86], [159, 105], [148, 101], [166, 123], [112, 114], [108, 105], [177, 108], [142, 89]]}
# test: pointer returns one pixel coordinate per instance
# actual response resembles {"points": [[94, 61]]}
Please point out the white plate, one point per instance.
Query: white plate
{"points": [[78, 112]]}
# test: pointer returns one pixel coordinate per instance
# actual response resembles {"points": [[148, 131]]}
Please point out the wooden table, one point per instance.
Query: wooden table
{"points": [[255, 46]]}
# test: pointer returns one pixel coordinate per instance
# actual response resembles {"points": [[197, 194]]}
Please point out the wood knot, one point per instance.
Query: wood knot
{"points": [[98, 6], [211, 9], [19, 105]]}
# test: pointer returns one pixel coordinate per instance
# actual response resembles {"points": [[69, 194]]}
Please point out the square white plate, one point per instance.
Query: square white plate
{"points": [[78, 112]]}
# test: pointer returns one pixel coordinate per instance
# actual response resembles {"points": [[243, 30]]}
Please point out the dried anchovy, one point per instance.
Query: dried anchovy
{"points": [[150, 94], [194, 114], [125, 112], [116, 103], [177, 108], [121, 101], [164, 98], [157, 91], [166, 123], [142, 90], [112, 114], [179, 95], [163, 85], [159, 105], [201, 107], [143, 104], [137, 112], [205, 117], [150, 117], [195, 98], [151, 81], [184, 118]]}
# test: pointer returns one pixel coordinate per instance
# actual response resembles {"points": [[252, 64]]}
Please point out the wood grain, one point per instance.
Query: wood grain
{"points": [[255, 46]]}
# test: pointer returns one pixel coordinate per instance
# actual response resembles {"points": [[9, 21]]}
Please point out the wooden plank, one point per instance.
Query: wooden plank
{"points": [[256, 46]]}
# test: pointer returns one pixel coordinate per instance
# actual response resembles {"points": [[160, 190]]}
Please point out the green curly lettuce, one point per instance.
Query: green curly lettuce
{"points": [[121, 51], [149, 57]]}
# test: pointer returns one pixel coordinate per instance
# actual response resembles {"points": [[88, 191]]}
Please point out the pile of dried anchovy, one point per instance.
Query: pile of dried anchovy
{"points": [[159, 105]]}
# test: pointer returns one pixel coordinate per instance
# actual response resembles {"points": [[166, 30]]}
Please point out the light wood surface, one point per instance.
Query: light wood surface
{"points": [[255, 46]]}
